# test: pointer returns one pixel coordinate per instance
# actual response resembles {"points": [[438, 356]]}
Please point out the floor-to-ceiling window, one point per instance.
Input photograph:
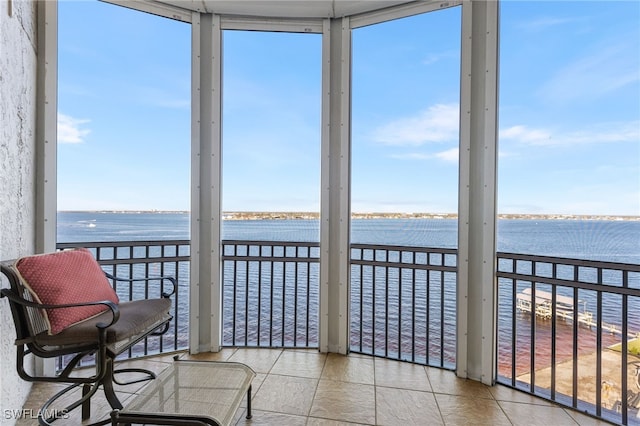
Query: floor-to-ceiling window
{"points": [[405, 139], [569, 186], [271, 186], [124, 146], [124, 100]]}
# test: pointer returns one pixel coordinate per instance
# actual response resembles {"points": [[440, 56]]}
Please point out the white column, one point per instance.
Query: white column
{"points": [[335, 210], [46, 127], [46, 203], [206, 182], [476, 351]]}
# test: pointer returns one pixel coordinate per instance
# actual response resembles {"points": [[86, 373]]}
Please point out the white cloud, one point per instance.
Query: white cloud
{"points": [[432, 58], [449, 156], [605, 133], [595, 134], [544, 22], [526, 135], [412, 156], [439, 123], [69, 130], [608, 67]]}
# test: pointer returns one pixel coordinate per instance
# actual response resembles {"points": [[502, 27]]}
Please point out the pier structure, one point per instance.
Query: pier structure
{"points": [[543, 308]]}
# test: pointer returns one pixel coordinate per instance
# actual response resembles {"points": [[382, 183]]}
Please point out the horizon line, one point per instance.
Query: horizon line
{"points": [[399, 215]]}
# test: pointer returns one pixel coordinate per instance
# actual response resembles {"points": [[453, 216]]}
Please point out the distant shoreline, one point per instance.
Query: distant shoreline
{"points": [[316, 216]]}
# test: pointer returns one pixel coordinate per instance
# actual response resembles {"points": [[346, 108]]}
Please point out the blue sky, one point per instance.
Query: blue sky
{"points": [[569, 112]]}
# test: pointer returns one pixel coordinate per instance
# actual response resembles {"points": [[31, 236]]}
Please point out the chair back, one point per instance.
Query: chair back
{"points": [[28, 321]]}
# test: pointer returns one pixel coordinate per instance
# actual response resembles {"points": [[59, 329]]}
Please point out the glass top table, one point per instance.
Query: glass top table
{"points": [[190, 393]]}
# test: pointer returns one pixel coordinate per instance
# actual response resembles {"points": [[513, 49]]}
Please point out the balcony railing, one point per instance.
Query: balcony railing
{"points": [[402, 299], [403, 303], [565, 328], [270, 293], [568, 332], [137, 259]]}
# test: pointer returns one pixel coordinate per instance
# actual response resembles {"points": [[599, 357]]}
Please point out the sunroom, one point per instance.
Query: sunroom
{"points": [[340, 297]]}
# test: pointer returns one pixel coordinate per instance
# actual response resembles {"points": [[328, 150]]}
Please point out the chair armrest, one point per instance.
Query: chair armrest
{"points": [[161, 278], [115, 312]]}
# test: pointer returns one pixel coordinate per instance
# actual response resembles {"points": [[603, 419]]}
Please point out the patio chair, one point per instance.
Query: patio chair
{"points": [[63, 305]]}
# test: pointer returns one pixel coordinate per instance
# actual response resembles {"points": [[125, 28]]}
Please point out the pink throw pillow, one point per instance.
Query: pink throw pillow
{"points": [[71, 276]]}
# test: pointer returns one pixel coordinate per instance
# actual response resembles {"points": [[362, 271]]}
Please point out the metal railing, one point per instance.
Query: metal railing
{"points": [[402, 299], [565, 327], [567, 332], [403, 303], [270, 293], [138, 259]]}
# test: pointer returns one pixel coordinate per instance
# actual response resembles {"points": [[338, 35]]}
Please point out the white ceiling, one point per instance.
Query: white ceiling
{"points": [[287, 8]]}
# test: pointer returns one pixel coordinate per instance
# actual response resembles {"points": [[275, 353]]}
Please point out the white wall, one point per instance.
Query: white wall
{"points": [[18, 52]]}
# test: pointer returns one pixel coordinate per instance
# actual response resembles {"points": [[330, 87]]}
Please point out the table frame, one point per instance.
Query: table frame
{"points": [[124, 417]]}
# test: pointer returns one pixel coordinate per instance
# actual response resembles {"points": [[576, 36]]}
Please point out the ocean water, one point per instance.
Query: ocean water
{"points": [[615, 241]]}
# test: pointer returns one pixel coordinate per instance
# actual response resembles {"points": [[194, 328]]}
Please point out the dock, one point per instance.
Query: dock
{"points": [[564, 310]]}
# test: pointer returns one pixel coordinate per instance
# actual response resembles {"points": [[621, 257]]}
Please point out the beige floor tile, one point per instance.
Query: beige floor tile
{"points": [[503, 393], [406, 407], [300, 364], [100, 408], [284, 394], [40, 392], [255, 386], [445, 381], [165, 357], [394, 374], [151, 365], [584, 420], [307, 350], [344, 394], [357, 355], [314, 421], [348, 402], [154, 364], [240, 416], [461, 411], [349, 369], [536, 415], [270, 418], [260, 360], [257, 382], [223, 355]]}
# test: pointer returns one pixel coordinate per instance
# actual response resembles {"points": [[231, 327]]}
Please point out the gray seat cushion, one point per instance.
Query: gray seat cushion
{"points": [[136, 318]]}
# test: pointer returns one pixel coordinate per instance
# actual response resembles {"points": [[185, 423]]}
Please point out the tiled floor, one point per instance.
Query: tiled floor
{"points": [[304, 387]]}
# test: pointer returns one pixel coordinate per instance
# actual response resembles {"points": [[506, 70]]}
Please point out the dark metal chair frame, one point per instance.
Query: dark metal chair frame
{"points": [[29, 326]]}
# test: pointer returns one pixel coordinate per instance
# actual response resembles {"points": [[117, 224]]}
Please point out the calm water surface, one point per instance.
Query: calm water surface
{"points": [[615, 241]]}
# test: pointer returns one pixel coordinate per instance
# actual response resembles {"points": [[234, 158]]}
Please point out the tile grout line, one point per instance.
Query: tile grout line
{"points": [[375, 394], [315, 391]]}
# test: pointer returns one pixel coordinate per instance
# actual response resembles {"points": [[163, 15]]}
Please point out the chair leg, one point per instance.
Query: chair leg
{"points": [[149, 375], [110, 379], [87, 392], [86, 405], [109, 391], [249, 415]]}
